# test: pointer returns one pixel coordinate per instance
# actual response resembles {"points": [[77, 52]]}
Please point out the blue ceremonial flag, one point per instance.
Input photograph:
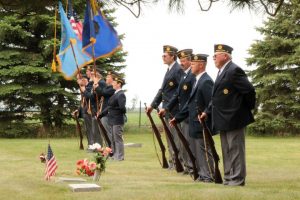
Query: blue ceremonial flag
{"points": [[99, 32], [66, 58]]}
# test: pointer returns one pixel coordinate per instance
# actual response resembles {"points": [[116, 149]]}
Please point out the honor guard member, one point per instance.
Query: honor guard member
{"points": [[85, 84], [91, 98], [116, 110], [105, 94], [233, 98], [81, 112], [199, 98], [180, 98], [99, 83], [165, 93]]}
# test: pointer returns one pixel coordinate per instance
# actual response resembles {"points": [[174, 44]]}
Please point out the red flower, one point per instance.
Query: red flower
{"points": [[80, 162]]}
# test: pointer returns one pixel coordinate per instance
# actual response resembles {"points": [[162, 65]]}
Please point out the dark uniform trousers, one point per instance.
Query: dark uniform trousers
{"points": [[86, 116], [233, 98], [88, 127], [164, 94], [180, 98], [96, 131]]}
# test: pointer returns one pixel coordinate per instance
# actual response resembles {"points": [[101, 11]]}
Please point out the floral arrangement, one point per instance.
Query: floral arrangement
{"points": [[85, 167], [101, 154]]}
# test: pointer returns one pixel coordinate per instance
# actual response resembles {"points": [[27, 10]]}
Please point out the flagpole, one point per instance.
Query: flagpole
{"points": [[67, 4], [94, 60], [82, 99], [92, 39], [78, 71]]}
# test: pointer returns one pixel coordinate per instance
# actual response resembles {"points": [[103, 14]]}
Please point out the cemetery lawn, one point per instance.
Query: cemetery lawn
{"points": [[272, 172]]}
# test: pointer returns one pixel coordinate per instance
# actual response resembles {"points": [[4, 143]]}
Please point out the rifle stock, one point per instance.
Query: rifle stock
{"points": [[78, 127], [208, 137], [158, 137], [178, 164], [187, 148]]}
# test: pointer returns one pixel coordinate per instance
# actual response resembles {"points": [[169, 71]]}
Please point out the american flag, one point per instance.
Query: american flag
{"points": [[74, 20], [51, 164]]}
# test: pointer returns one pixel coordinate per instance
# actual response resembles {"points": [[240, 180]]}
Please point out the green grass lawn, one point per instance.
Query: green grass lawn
{"points": [[272, 168]]}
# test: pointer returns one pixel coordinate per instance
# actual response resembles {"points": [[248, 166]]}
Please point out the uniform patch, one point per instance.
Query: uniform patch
{"points": [[171, 83], [225, 91], [185, 87]]}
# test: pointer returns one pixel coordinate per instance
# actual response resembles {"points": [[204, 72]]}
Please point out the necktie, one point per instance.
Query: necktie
{"points": [[195, 85], [185, 75]]}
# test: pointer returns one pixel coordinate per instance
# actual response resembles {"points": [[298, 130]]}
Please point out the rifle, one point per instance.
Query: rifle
{"points": [[78, 127], [207, 136], [187, 148], [158, 137], [178, 165]]}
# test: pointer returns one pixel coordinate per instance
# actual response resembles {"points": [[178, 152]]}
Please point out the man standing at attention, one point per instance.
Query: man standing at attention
{"points": [[166, 92], [180, 98], [105, 94], [199, 98], [233, 97], [116, 110]]}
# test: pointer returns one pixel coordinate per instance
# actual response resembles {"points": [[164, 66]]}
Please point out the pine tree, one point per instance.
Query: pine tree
{"points": [[27, 83], [277, 76]]}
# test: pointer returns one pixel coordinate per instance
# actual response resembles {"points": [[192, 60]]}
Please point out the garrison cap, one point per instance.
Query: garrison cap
{"points": [[199, 57], [119, 80], [169, 49], [223, 48], [100, 71], [184, 53], [112, 73], [84, 76], [89, 67]]}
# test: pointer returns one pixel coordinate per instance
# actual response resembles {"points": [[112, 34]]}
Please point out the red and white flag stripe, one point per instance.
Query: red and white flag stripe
{"points": [[77, 27]]}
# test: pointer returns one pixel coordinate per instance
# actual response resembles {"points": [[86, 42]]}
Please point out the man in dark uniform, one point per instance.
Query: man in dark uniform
{"points": [[199, 98], [105, 94], [83, 82], [116, 111], [166, 92], [92, 100], [233, 98], [98, 82], [180, 98]]}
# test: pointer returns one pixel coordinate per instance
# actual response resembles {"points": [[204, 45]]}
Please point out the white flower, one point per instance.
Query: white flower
{"points": [[95, 146]]}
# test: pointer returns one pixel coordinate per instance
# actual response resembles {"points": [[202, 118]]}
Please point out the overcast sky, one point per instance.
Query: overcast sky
{"points": [[145, 36]]}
